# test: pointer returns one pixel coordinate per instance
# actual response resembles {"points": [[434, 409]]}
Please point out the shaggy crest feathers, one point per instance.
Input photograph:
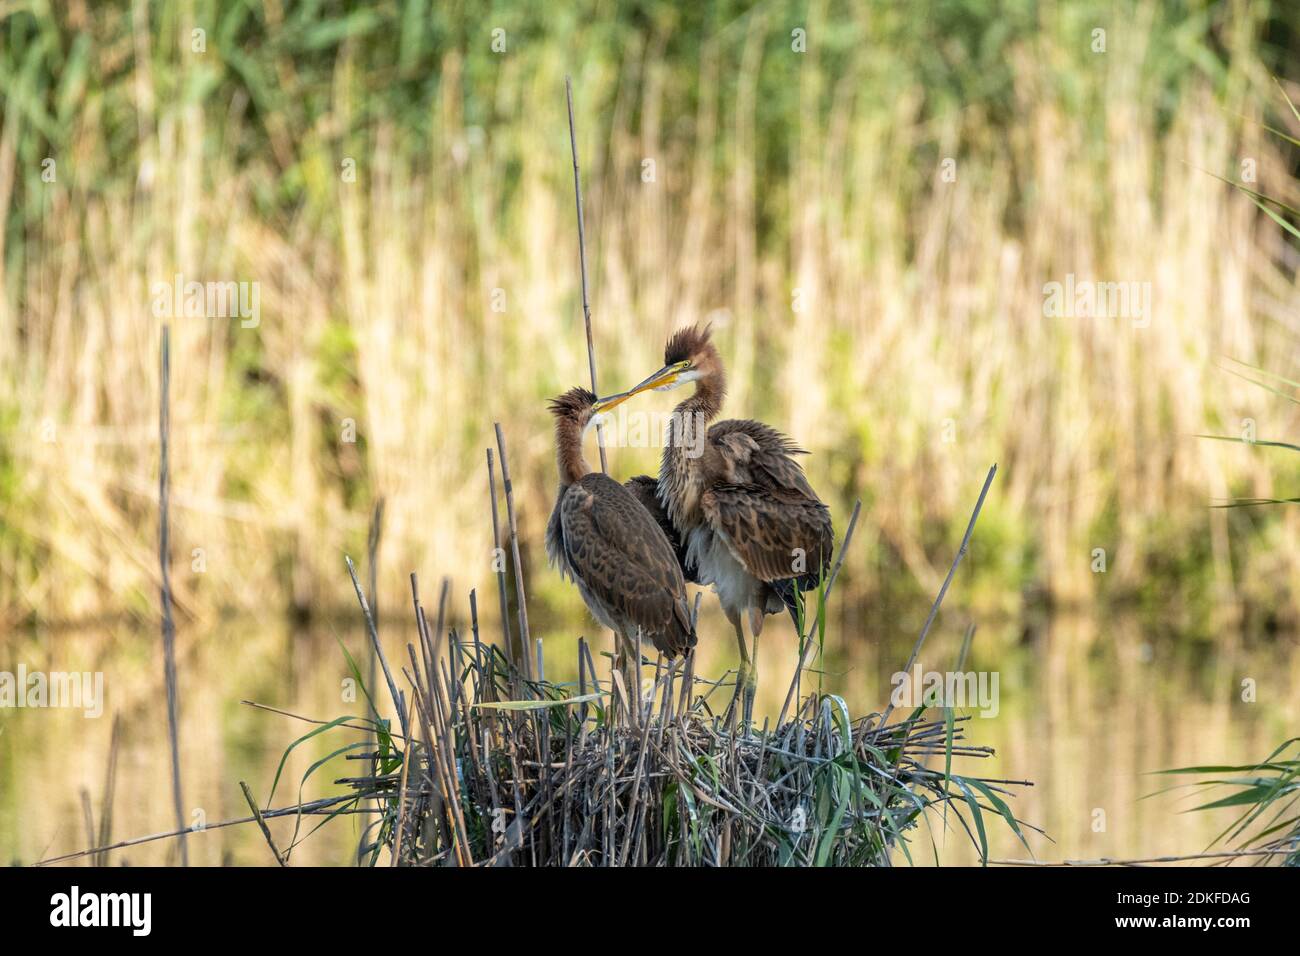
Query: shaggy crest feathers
{"points": [[572, 404], [687, 342]]}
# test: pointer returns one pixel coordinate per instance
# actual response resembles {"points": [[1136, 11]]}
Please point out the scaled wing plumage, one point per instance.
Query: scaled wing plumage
{"points": [[762, 506], [605, 539]]}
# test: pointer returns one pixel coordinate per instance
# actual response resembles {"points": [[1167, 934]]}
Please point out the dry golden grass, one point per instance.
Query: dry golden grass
{"points": [[921, 316]]}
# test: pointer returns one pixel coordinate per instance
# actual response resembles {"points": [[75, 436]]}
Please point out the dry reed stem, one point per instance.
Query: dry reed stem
{"points": [[520, 597], [110, 790], [379, 651], [952, 570], [164, 562], [582, 264], [261, 822], [311, 807], [501, 570]]}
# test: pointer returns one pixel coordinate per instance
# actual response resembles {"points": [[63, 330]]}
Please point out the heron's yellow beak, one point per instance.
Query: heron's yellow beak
{"points": [[666, 377]]}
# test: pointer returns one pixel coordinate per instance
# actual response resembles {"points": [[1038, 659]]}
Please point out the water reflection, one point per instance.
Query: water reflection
{"points": [[1086, 707]]}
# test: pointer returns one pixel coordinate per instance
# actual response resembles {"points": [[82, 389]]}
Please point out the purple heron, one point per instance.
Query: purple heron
{"points": [[751, 524], [604, 539]]}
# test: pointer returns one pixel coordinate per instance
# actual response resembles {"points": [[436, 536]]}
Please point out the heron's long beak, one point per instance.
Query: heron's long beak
{"points": [[664, 378]]}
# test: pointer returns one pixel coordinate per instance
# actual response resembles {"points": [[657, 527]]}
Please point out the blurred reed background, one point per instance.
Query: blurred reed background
{"points": [[891, 321]]}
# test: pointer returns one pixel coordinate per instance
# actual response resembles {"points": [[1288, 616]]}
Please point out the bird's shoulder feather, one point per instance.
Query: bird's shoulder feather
{"points": [[753, 453]]}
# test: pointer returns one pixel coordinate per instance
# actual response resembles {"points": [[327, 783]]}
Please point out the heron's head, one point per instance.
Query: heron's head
{"points": [[690, 355], [576, 406]]}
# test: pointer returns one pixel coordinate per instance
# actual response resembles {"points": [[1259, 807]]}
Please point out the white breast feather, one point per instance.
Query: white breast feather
{"points": [[736, 588]]}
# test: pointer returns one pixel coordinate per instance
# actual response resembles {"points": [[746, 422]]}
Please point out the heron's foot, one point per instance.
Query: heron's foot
{"points": [[742, 701]]}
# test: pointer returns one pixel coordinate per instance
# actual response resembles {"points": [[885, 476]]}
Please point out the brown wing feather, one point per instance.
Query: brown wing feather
{"points": [[614, 546], [757, 454], [646, 490], [775, 535], [760, 502]]}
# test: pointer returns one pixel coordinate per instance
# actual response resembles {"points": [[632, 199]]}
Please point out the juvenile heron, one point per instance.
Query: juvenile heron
{"points": [[603, 538], [751, 524]]}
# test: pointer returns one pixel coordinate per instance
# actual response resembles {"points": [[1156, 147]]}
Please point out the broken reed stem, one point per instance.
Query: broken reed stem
{"points": [[943, 590], [444, 594], [379, 651], [421, 628], [88, 818], [327, 804], [261, 822], [164, 561], [110, 790], [497, 559], [582, 264], [524, 640], [1281, 850]]}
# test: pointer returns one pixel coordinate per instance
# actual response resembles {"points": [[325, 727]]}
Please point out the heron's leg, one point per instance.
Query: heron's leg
{"points": [[620, 667], [751, 687], [629, 671], [742, 672], [633, 678]]}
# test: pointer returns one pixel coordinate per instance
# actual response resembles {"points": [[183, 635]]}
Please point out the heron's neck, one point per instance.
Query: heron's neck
{"points": [[569, 459], [709, 394], [683, 457]]}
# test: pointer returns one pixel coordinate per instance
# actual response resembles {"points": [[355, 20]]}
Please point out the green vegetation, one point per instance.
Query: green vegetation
{"points": [[1267, 830], [1268, 827], [387, 177]]}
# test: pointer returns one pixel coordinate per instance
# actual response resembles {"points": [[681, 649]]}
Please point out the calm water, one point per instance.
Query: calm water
{"points": [[1086, 708]]}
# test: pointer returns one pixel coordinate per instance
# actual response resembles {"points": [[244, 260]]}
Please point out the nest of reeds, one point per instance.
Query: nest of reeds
{"points": [[496, 766]]}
